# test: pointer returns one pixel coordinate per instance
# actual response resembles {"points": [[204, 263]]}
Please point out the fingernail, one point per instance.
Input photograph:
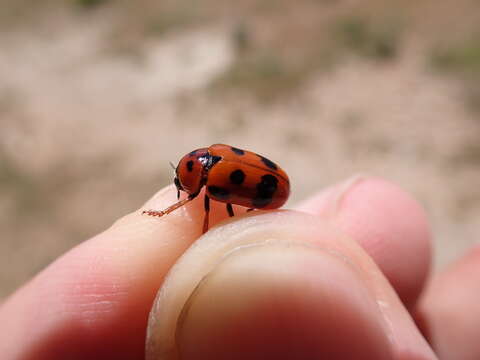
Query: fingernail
{"points": [[284, 302]]}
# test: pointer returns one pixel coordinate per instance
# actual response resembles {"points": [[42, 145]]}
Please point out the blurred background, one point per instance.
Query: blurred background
{"points": [[97, 96]]}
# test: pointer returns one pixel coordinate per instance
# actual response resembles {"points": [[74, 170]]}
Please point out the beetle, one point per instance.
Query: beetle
{"points": [[230, 175]]}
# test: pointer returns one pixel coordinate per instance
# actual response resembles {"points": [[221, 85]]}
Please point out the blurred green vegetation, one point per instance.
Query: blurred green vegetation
{"points": [[377, 39], [266, 76], [162, 23], [88, 4], [461, 59], [180, 15], [464, 57], [271, 71]]}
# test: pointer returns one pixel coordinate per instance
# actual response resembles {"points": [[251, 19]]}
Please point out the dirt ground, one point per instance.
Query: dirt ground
{"points": [[96, 98]]}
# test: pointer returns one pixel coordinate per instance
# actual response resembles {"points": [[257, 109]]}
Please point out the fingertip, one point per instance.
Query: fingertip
{"points": [[387, 222], [449, 311]]}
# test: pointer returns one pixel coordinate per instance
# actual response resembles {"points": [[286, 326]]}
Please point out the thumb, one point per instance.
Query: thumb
{"points": [[281, 285]]}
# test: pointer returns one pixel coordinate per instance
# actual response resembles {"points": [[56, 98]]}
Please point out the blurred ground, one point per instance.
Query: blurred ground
{"points": [[97, 96]]}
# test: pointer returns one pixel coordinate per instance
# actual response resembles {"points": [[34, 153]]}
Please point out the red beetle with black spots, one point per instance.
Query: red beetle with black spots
{"points": [[231, 176]]}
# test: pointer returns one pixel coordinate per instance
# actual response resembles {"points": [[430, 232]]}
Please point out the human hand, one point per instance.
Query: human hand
{"points": [[310, 283]]}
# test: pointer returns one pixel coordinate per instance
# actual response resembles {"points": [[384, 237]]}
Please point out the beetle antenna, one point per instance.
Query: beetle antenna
{"points": [[172, 165]]}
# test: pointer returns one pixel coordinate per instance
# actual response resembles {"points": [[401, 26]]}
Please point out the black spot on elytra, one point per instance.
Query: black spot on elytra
{"points": [[265, 190], [190, 165], [268, 163], [237, 177], [218, 192], [238, 151]]}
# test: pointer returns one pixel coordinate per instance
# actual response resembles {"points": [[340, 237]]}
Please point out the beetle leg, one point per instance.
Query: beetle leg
{"points": [[171, 208], [230, 210], [207, 211]]}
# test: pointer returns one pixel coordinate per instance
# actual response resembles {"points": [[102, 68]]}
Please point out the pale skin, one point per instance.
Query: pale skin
{"points": [[290, 294]]}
